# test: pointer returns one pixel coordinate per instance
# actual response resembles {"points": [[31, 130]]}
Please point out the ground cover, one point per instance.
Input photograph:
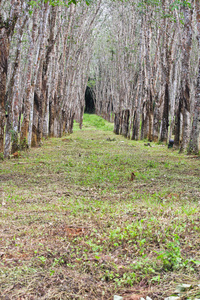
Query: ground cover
{"points": [[76, 224]]}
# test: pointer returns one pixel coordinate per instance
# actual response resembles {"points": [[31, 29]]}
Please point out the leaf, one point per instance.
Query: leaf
{"points": [[196, 262], [97, 257]]}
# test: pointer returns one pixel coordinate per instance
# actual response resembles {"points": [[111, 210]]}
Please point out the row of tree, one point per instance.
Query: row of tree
{"points": [[45, 52], [142, 58], [146, 74]]}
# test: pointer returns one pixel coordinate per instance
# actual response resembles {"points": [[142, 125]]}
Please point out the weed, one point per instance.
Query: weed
{"points": [[151, 164], [24, 144], [171, 258], [42, 259]]}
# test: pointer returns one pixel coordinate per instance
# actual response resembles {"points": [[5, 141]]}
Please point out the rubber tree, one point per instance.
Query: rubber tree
{"points": [[194, 142]]}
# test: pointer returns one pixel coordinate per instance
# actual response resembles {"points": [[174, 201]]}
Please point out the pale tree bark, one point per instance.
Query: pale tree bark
{"points": [[194, 142], [38, 105], [29, 82], [4, 53], [166, 63], [144, 114], [136, 116], [76, 73], [11, 134], [6, 31], [56, 115], [185, 76], [53, 96], [147, 125], [115, 76], [136, 67], [175, 82], [46, 75], [156, 92], [165, 76], [139, 93]]}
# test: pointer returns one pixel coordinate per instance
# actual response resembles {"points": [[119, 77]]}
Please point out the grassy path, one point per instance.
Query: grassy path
{"points": [[74, 226]]}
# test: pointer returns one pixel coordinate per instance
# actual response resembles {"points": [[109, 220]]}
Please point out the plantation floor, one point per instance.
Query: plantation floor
{"points": [[73, 225]]}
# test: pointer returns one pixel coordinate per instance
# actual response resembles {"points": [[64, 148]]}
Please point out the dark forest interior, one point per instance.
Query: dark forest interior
{"points": [[89, 101]]}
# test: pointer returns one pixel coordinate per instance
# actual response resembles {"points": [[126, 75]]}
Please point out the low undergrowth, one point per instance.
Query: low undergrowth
{"points": [[75, 225]]}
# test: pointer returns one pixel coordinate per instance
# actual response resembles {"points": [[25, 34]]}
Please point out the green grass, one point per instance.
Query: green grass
{"points": [[74, 226], [97, 122]]}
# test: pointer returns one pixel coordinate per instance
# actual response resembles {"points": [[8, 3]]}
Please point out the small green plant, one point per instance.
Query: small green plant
{"points": [[51, 272], [129, 278], [24, 144], [156, 279], [1, 156], [151, 164], [171, 258], [58, 261], [42, 259], [144, 265], [109, 275]]}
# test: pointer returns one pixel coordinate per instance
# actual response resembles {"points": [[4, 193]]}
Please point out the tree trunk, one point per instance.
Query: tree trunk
{"points": [[165, 116], [185, 76], [125, 122], [52, 106], [4, 53], [35, 122], [117, 123], [177, 126], [194, 142], [29, 84], [156, 119]]}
